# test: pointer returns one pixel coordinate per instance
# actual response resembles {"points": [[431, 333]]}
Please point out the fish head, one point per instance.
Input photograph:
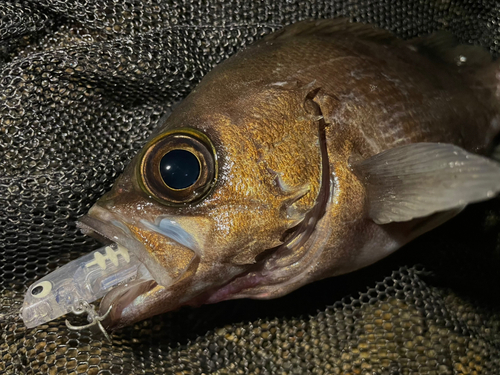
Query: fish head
{"points": [[210, 196]]}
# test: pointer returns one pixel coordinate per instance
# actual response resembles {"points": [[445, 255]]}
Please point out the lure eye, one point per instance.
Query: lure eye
{"points": [[178, 167], [37, 290], [42, 289]]}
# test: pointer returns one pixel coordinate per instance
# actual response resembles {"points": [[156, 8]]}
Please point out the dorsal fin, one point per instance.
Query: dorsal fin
{"points": [[334, 28], [440, 45], [443, 45]]}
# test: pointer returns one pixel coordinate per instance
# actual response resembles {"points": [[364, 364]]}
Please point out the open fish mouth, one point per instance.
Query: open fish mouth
{"points": [[110, 230], [161, 279], [146, 240], [107, 228]]}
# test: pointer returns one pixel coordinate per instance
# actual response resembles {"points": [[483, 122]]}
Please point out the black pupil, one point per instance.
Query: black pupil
{"points": [[37, 290], [179, 169]]}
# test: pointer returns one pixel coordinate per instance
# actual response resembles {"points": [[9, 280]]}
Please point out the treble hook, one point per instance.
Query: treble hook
{"points": [[81, 307]]}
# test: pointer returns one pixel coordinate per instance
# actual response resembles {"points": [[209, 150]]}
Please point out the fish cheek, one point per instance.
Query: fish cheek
{"points": [[270, 176], [240, 233]]}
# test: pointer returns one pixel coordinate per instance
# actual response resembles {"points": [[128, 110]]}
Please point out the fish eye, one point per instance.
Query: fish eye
{"points": [[178, 167]]}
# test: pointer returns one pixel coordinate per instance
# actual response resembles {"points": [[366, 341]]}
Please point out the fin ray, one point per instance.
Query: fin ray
{"points": [[420, 179], [443, 45], [335, 28]]}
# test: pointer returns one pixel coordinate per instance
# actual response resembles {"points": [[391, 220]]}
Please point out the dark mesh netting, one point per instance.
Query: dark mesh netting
{"points": [[83, 83]]}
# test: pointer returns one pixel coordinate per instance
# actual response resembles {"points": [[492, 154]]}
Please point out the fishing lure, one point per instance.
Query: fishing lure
{"points": [[71, 288]]}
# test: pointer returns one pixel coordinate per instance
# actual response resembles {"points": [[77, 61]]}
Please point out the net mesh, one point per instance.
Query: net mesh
{"points": [[82, 85]]}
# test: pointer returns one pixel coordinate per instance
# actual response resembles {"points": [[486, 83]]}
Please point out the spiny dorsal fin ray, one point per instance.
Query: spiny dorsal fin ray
{"points": [[334, 28], [441, 45]]}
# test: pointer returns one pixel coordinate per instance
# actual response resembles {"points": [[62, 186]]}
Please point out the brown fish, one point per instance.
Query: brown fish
{"points": [[317, 151]]}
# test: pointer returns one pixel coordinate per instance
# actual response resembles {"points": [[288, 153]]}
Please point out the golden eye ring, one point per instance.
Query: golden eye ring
{"points": [[178, 167]]}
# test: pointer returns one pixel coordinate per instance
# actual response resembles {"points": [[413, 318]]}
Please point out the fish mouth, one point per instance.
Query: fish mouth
{"points": [[104, 226], [136, 299], [107, 227]]}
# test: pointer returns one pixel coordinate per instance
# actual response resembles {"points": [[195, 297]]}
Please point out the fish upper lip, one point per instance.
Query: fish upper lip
{"points": [[96, 219]]}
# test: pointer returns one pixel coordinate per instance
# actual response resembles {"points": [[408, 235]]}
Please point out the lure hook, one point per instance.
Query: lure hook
{"points": [[83, 307]]}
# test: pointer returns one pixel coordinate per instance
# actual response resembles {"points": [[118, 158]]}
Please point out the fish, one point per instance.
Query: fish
{"points": [[317, 151]]}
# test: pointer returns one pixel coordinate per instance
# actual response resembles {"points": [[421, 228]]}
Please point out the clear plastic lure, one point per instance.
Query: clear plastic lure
{"points": [[86, 279]]}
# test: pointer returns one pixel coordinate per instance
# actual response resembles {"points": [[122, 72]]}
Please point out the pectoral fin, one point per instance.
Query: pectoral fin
{"points": [[420, 179]]}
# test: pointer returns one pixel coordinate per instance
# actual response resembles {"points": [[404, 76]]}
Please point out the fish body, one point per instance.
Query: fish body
{"points": [[321, 149]]}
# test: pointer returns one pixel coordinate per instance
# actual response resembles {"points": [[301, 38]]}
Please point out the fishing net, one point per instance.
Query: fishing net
{"points": [[83, 83]]}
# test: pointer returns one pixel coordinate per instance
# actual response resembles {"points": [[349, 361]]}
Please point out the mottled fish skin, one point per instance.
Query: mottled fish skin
{"points": [[353, 88]]}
